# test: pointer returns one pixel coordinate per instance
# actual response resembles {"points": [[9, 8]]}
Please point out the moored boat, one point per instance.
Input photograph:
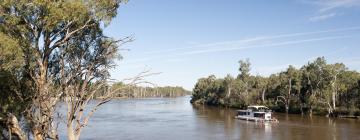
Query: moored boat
{"points": [[256, 114]]}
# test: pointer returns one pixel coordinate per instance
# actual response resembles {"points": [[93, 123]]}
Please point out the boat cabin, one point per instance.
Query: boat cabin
{"points": [[255, 112]]}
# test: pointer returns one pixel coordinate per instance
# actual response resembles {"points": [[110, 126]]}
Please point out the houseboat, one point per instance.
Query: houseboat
{"points": [[256, 114]]}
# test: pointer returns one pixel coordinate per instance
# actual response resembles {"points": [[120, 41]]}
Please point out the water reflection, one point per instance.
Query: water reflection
{"points": [[177, 119]]}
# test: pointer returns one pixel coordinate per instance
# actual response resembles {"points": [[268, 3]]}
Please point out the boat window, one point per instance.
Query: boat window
{"points": [[242, 113], [259, 114]]}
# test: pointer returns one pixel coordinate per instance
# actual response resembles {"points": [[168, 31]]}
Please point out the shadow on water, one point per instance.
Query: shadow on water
{"points": [[177, 119]]}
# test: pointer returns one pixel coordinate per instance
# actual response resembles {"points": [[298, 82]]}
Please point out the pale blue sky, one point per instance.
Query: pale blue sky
{"points": [[189, 39]]}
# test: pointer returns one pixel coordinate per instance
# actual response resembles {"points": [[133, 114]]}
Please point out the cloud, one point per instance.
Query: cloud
{"points": [[250, 41], [176, 60], [278, 40], [276, 44], [217, 49], [328, 5], [323, 17], [242, 41], [330, 8]]}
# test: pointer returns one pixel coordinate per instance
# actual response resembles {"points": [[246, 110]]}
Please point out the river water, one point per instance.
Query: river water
{"points": [[177, 119]]}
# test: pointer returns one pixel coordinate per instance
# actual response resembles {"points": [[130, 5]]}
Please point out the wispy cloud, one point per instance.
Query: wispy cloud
{"points": [[251, 41], [322, 17], [330, 8], [276, 44], [279, 40], [223, 43], [178, 57], [176, 60], [328, 5]]}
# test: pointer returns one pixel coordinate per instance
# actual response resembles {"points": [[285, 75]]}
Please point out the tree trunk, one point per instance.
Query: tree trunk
{"points": [[288, 97], [334, 100], [333, 94], [301, 109], [37, 134], [40, 103], [263, 95], [14, 127], [229, 91], [71, 134]]}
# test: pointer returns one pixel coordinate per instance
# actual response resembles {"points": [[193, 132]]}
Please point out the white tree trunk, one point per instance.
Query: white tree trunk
{"points": [[263, 95]]}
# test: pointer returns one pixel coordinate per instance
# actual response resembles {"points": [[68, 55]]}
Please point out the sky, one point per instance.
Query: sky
{"points": [[184, 40]]}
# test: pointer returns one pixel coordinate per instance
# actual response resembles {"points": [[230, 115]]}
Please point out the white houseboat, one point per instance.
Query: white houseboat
{"points": [[256, 113]]}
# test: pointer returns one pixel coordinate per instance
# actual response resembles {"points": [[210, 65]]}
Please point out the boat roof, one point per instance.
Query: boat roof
{"points": [[258, 106], [250, 111]]}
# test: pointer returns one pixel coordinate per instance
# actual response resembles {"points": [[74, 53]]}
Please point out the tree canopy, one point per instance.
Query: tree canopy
{"points": [[53, 50], [317, 87]]}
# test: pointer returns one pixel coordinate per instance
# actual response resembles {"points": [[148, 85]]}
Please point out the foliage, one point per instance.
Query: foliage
{"points": [[48, 48], [316, 86], [134, 91]]}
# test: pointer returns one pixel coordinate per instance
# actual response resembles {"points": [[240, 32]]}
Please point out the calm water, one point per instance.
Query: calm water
{"points": [[177, 119]]}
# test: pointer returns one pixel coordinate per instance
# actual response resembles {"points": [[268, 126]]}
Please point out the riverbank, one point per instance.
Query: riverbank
{"points": [[146, 97], [316, 88], [339, 113]]}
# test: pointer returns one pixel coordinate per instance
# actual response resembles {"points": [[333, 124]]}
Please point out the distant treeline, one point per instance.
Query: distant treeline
{"points": [[126, 91], [315, 88]]}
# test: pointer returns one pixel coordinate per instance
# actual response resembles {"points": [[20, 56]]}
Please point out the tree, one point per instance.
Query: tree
{"points": [[317, 84], [14, 87], [261, 84], [244, 75], [334, 71], [316, 87], [44, 31], [83, 72], [290, 77], [244, 69], [229, 82]]}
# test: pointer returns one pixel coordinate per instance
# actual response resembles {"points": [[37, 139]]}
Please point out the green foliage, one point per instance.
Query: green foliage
{"points": [[244, 69], [126, 91], [45, 45], [316, 87]]}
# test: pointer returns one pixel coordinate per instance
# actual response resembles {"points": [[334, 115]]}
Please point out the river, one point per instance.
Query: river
{"points": [[177, 119]]}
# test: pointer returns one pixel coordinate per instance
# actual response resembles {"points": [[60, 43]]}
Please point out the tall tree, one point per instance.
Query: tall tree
{"points": [[289, 77], [229, 82], [334, 71], [244, 69], [42, 30], [244, 75]]}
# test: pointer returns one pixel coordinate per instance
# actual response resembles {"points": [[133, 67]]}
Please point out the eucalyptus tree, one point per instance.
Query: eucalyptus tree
{"points": [[290, 80], [244, 69], [15, 88], [348, 89], [315, 84], [261, 85], [244, 75], [82, 72], [45, 31], [334, 70], [229, 83], [208, 91]]}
